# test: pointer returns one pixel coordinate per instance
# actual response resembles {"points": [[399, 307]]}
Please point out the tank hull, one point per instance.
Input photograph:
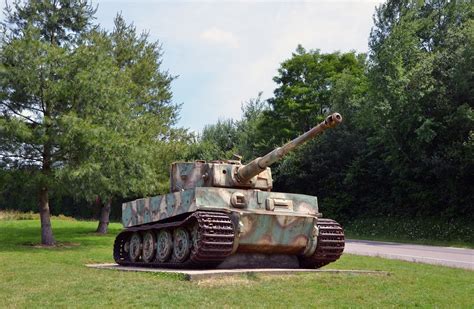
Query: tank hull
{"points": [[162, 207], [217, 223]]}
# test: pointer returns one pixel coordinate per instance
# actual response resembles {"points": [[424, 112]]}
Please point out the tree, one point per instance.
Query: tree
{"points": [[141, 142], [249, 138], [305, 83], [323, 166], [37, 38], [140, 135], [405, 147], [230, 137], [217, 142], [87, 111], [421, 62]]}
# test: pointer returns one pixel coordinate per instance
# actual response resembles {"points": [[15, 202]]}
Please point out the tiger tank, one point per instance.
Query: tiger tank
{"points": [[223, 209]]}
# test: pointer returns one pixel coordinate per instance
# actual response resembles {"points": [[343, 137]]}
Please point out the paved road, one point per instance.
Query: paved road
{"points": [[452, 257]]}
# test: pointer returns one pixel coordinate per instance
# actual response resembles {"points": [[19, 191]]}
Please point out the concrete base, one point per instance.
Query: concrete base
{"points": [[259, 260], [194, 275]]}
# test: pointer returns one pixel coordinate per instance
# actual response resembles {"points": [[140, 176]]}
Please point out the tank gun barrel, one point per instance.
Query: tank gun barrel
{"points": [[246, 172]]}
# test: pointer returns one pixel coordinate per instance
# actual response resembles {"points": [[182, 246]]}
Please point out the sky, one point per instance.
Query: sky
{"points": [[226, 52]]}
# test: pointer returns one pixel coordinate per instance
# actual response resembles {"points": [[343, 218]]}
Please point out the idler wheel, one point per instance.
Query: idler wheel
{"points": [[164, 246], [134, 250], [181, 244], [149, 247]]}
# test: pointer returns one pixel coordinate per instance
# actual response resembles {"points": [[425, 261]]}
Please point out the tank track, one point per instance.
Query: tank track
{"points": [[329, 247], [213, 242]]}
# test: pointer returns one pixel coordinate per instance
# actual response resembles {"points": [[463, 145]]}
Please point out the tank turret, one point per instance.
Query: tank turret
{"points": [[222, 212]]}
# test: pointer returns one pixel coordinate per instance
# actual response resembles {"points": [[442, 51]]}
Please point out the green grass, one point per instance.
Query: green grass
{"points": [[41, 277], [428, 231]]}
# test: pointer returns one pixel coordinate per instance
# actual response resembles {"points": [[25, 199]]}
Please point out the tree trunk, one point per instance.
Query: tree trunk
{"points": [[47, 237], [104, 217]]}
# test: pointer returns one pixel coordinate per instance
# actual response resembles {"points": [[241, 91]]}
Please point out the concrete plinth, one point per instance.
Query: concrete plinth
{"points": [[259, 260], [194, 275]]}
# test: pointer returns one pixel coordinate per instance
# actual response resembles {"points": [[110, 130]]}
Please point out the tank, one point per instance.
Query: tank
{"points": [[223, 211]]}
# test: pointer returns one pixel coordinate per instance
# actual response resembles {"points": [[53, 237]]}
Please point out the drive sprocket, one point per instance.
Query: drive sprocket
{"points": [[330, 245]]}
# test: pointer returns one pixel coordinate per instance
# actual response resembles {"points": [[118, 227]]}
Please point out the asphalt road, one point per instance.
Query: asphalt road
{"points": [[446, 256]]}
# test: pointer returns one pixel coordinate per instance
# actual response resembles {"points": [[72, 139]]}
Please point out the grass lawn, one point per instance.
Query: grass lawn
{"points": [[40, 277]]}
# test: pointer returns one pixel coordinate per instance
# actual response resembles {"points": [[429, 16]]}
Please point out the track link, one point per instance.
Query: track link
{"points": [[212, 242], [329, 247]]}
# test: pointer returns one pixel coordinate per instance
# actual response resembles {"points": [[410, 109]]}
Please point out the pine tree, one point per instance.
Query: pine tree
{"points": [[85, 111], [136, 134], [37, 38]]}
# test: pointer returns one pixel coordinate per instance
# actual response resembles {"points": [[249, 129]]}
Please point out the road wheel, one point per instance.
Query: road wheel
{"points": [[164, 246], [181, 244], [135, 247], [149, 247]]}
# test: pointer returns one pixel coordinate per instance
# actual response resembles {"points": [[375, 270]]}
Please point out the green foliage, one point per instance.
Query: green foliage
{"points": [[125, 148], [100, 106], [217, 142], [16, 186], [250, 139], [405, 147], [57, 22], [229, 137], [427, 230], [223, 135], [37, 54], [320, 167], [83, 112], [306, 83], [9, 215], [423, 118]]}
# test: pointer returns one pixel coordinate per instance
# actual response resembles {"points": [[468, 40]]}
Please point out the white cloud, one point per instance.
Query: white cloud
{"points": [[217, 35], [253, 38]]}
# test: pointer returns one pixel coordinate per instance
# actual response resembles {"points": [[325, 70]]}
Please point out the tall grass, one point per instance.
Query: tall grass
{"points": [[436, 231], [6, 215]]}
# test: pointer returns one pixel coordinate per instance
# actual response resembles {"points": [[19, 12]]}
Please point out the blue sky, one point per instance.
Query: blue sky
{"points": [[226, 52]]}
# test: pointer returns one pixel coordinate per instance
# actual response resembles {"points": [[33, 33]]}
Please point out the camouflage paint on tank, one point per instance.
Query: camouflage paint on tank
{"points": [[188, 175], [161, 207], [287, 228], [276, 233], [221, 198], [156, 208]]}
